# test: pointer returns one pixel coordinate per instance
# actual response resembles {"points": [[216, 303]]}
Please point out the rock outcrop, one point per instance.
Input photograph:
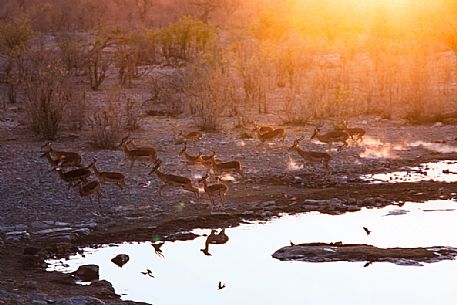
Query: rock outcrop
{"points": [[335, 252]]}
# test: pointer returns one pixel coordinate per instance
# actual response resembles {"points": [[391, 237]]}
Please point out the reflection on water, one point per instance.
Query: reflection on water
{"points": [[443, 171], [244, 263], [214, 238]]}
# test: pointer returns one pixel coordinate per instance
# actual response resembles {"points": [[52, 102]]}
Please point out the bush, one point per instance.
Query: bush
{"points": [[15, 43], [184, 39], [105, 126], [211, 92], [47, 93], [133, 114]]}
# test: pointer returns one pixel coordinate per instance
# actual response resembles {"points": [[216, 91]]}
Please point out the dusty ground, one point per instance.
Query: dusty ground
{"points": [[48, 221]]}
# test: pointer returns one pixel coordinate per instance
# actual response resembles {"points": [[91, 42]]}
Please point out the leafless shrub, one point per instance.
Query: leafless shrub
{"points": [[72, 52], [76, 115], [133, 113], [211, 91], [47, 92], [106, 125], [254, 72], [15, 44], [296, 110], [166, 94]]}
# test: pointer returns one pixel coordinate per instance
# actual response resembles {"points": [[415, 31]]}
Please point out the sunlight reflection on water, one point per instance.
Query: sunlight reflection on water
{"points": [[252, 276], [443, 171]]}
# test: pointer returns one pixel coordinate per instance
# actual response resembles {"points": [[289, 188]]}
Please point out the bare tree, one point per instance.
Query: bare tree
{"points": [[97, 62]]}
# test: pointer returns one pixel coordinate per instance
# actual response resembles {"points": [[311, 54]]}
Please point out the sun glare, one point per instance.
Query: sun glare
{"points": [[389, 3]]}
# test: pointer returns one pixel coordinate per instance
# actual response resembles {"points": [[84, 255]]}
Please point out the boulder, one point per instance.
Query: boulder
{"points": [[336, 252], [120, 259], [87, 273]]}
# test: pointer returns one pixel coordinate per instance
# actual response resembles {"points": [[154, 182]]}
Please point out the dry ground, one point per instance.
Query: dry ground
{"points": [[33, 199]]}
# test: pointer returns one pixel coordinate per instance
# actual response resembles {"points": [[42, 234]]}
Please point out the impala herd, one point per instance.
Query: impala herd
{"points": [[79, 176]]}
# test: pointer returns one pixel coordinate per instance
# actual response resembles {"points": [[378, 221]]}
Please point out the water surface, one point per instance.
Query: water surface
{"points": [[441, 171], [186, 276]]}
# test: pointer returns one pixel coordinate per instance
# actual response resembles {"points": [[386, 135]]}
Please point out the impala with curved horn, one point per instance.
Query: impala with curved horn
{"points": [[191, 160], [211, 190], [312, 156], [172, 180], [137, 154], [331, 137], [67, 156]]}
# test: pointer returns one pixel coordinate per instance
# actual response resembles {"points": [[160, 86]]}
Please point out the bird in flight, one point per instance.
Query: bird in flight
{"points": [[147, 272], [221, 286], [366, 230]]}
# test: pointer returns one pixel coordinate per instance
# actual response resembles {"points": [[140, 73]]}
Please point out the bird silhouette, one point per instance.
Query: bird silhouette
{"points": [[147, 272], [291, 243], [366, 230], [368, 264], [221, 286], [157, 248]]}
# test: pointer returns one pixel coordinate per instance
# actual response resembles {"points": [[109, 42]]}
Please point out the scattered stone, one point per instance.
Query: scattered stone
{"points": [[329, 202], [87, 273], [6, 229], [80, 300], [20, 227], [120, 259], [63, 234], [61, 224], [89, 225], [17, 236], [39, 225], [267, 214], [270, 203], [82, 231], [397, 212], [336, 252], [53, 231]]}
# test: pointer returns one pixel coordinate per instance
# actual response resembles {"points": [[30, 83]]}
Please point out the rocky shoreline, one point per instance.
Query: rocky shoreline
{"points": [[40, 219]]}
